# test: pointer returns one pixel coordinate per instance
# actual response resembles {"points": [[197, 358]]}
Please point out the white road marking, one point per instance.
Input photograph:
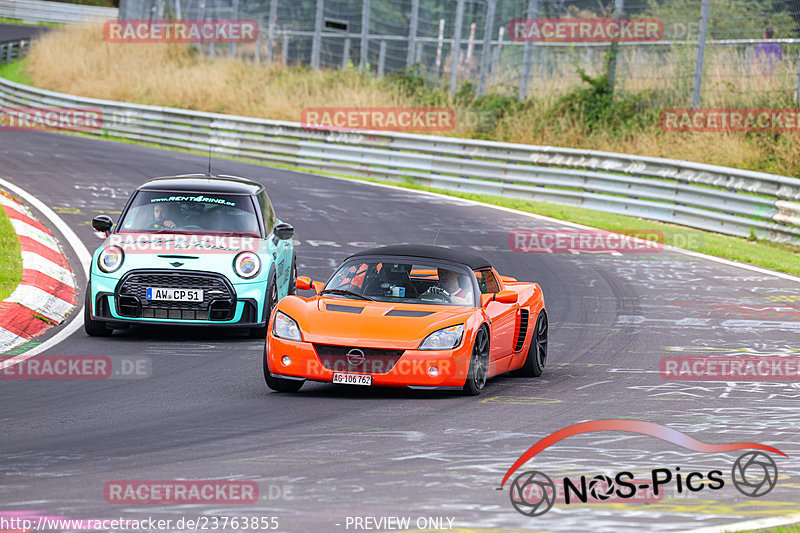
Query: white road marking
{"points": [[761, 523]]}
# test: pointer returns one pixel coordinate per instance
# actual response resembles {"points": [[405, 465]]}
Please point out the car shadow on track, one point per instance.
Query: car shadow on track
{"points": [[352, 392], [174, 333]]}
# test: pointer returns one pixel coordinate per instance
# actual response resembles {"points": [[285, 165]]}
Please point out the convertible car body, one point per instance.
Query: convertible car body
{"points": [[408, 316], [194, 250]]}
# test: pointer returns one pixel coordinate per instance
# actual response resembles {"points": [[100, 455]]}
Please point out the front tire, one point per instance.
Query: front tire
{"points": [[270, 301], [93, 328], [478, 364], [537, 352], [293, 276], [280, 384]]}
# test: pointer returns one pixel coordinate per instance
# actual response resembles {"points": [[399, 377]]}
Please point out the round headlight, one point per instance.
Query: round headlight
{"points": [[111, 259], [247, 265]]}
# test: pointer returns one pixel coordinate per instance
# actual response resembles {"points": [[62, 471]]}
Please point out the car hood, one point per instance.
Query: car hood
{"points": [[366, 324]]}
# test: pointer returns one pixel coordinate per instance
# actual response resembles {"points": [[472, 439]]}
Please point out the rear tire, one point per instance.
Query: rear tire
{"points": [[537, 352], [93, 328], [478, 364], [280, 384]]}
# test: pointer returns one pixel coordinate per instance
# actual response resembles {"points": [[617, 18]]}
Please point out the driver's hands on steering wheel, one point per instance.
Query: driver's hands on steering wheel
{"points": [[437, 290], [166, 224]]}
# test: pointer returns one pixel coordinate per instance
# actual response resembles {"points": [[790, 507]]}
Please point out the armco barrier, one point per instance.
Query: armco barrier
{"points": [[724, 200], [41, 11], [13, 50]]}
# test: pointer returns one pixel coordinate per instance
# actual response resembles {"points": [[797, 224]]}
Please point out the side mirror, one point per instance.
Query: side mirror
{"points": [[283, 231], [503, 297], [102, 223], [303, 283]]}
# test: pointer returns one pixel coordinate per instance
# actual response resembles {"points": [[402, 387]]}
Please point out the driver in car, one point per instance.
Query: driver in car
{"points": [[162, 217], [453, 285]]}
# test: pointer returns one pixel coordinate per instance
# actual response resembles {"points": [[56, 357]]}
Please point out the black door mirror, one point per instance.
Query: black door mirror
{"points": [[102, 223], [283, 231]]}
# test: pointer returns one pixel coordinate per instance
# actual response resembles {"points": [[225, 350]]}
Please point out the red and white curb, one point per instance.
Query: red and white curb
{"points": [[47, 293]]}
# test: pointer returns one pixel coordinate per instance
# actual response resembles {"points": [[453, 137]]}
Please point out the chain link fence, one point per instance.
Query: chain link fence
{"points": [[714, 52]]}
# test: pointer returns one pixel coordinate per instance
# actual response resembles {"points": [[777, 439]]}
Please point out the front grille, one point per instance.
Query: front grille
{"points": [[218, 303], [375, 361], [523, 329]]}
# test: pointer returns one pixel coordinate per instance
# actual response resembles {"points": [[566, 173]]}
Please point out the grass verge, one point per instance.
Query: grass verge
{"points": [[774, 256], [10, 257], [780, 529], [17, 22], [15, 72]]}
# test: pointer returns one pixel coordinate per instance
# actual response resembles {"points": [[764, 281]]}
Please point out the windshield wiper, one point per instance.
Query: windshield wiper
{"points": [[236, 234], [346, 293]]}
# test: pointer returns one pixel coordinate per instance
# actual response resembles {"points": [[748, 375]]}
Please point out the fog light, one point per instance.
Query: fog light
{"points": [[433, 371], [286, 361]]}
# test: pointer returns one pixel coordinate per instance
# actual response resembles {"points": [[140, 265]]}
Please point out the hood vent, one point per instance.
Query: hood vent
{"points": [[343, 308], [406, 312]]}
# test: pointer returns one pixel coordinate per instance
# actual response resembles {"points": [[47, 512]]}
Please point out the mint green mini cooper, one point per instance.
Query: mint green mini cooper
{"points": [[195, 250]]}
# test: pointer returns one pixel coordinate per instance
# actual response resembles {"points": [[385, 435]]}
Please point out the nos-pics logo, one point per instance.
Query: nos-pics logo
{"points": [[533, 493]]}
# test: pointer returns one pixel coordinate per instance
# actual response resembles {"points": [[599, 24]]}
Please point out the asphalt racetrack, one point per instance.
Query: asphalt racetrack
{"points": [[331, 454], [10, 32]]}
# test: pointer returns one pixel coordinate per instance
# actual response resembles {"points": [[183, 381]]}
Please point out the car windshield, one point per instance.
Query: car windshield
{"points": [[209, 213], [416, 282]]}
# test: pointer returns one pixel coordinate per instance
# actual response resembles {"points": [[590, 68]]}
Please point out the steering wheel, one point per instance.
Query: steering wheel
{"points": [[436, 293]]}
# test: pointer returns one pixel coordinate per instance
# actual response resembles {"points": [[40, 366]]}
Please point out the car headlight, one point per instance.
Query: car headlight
{"points": [[246, 264], [111, 259], [444, 339], [285, 328]]}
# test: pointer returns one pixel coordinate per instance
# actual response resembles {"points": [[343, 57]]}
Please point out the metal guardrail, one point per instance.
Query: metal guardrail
{"points": [[719, 199], [41, 11], [13, 50]]}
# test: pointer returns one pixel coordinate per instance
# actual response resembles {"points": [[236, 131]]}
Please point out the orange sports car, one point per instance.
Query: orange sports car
{"points": [[423, 317]]}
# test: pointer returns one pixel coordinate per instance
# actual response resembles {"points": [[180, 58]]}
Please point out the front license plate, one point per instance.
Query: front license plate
{"points": [[345, 378], [174, 295]]}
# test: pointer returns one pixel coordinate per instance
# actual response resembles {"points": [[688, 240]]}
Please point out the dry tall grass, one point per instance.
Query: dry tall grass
{"points": [[77, 60]]}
